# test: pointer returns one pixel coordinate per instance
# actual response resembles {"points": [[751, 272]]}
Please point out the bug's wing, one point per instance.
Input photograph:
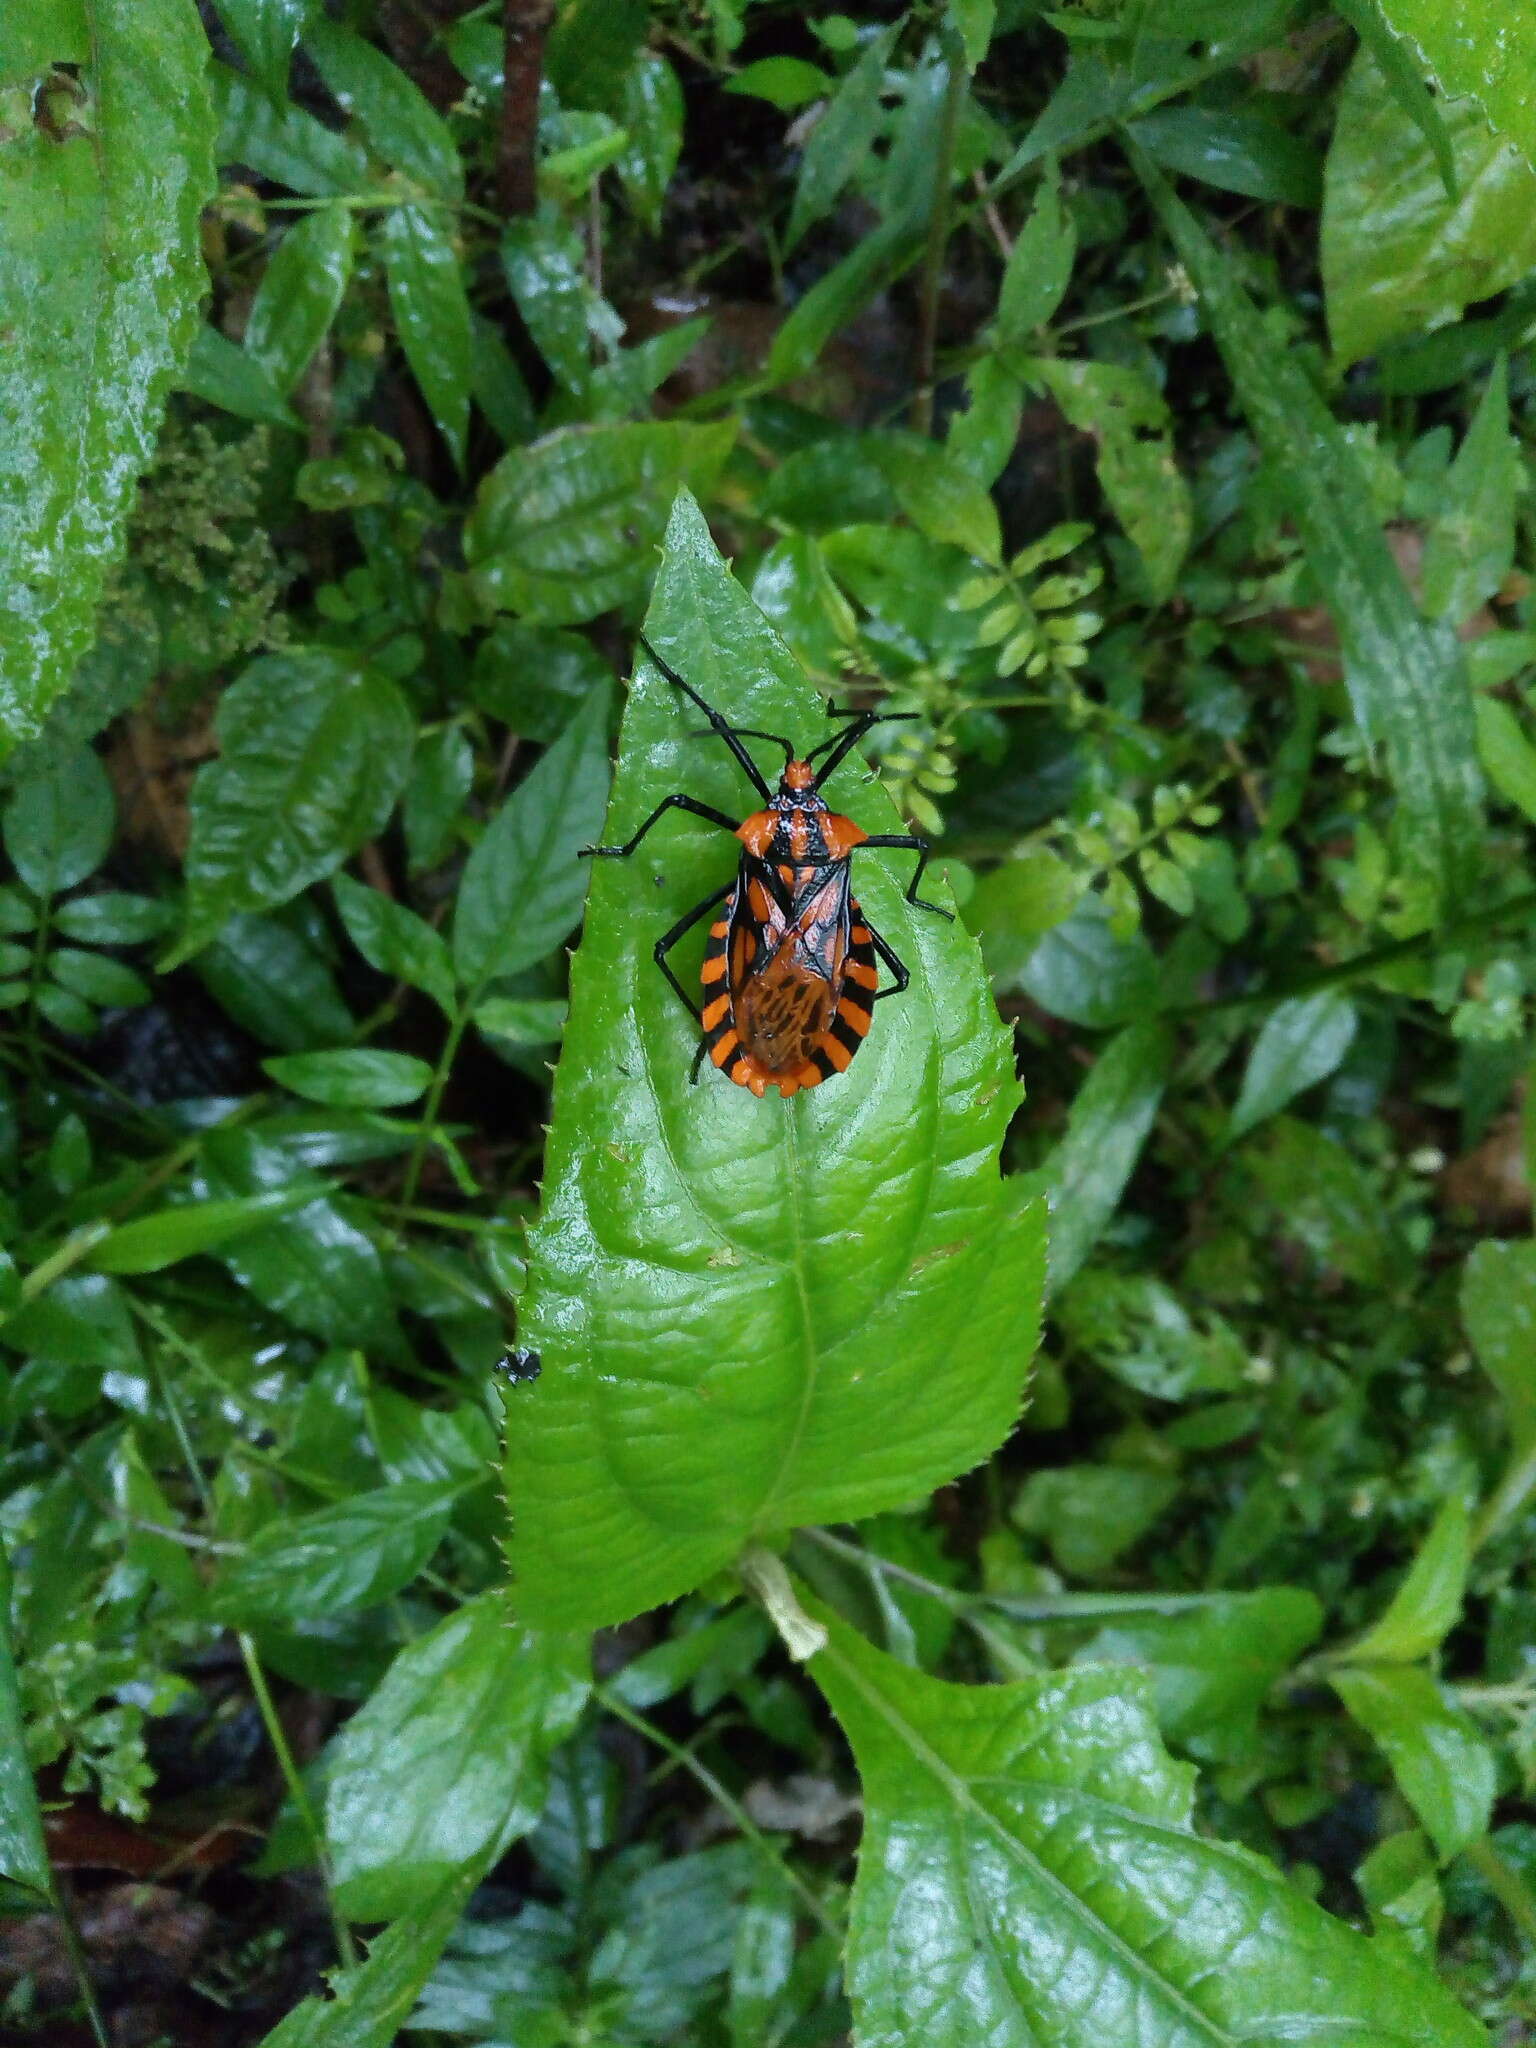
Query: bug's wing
{"points": [[855, 993]]}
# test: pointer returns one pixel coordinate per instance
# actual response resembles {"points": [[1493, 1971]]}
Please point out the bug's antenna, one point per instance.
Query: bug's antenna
{"points": [[720, 725], [843, 742]]}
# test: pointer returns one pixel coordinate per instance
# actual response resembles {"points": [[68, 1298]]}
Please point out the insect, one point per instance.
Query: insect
{"points": [[790, 976], [518, 1367]]}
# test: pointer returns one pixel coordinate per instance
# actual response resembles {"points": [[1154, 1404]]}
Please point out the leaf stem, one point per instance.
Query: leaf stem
{"points": [[765, 1578], [456, 1029]]}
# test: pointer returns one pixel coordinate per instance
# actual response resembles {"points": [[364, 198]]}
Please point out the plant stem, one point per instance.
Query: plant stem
{"points": [[764, 1576], [429, 1111], [938, 234]]}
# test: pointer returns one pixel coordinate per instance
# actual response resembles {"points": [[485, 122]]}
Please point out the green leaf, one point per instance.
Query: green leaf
{"points": [[1406, 681], [101, 274], [1015, 904], [442, 770], [1029, 1873], [310, 1567], [1427, 1605], [431, 309], [1133, 435], [360, 1078], [99, 980], [264, 32], [222, 374], [151, 1243], [1111, 1115], [521, 1021], [1301, 1042], [784, 82], [112, 917], [271, 981], [652, 114], [395, 941], [839, 144], [23, 1857], [546, 271], [373, 2002], [984, 436], [564, 529], [1470, 548], [1399, 257], [1038, 270], [1090, 1515], [1483, 54], [1406, 85], [1442, 1763], [938, 494], [1508, 758], [1498, 1307], [1082, 972], [833, 300], [1234, 149], [300, 291], [461, 1728], [523, 885], [58, 825], [283, 142], [975, 19], [313, 752], [399, 121], [754, 1313]]}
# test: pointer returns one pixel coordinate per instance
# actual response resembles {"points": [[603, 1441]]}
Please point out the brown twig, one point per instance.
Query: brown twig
{"points": [[525, 24]]}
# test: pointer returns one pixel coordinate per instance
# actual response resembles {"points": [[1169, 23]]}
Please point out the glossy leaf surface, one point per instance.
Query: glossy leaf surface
{"points": [[350, 1555], [1301, 1042], [1427, 1605], [1029, 1873], [99, 210], [1438, 1756], [1406, 680], [23, 1857], [460, 1728], [1399, 256], [1479, 51], [1111, 1115], [754, 1313]]}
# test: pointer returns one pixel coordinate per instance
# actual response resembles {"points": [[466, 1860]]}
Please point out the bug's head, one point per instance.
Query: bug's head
{"points": [[798, 777]]}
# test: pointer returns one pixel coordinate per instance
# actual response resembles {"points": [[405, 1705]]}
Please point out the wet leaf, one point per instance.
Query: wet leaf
{"points": [[839, 144], [754, 1313], [117, 182], [652, 115], [1234, 149], [314, 750], [151, 1243], [310, 1567], [283, 142], [1470, 548], [1476, 52], [393, 939], [461, 1727], [1427, 1605], [1132, 431], [399, 121], [1399, 257], [1029, 1872], [431, 309], [1111, 1115], [265, 31], [1082, 972], [23, 1858], [58, 825], [1038, 270], [1498, 1306], [300, 290], [358, 1078], [1442, 1763], [274, 983], [1301, 1042]]}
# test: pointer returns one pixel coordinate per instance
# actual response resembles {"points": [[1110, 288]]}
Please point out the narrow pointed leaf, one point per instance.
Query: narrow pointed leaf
{"points": [[100, 276], [1029, 1873], [1427, 1605], [1437, 1753], [1406, 680], [1301, 1042], [23, 1858], [754, 1313], [1110, 1119]]}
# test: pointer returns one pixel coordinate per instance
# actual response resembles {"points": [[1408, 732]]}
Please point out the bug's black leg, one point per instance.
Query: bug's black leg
{"points": [[892, 960], [698, 1061], [669, 939], [849, 737], [726, 730], [920, 848], [676, 801]]}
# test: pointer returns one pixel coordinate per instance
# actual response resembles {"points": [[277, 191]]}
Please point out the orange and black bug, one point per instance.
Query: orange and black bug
{"points": [[789, 975]]}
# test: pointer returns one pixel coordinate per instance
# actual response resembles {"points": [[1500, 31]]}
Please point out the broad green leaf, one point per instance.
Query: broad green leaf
{"points": [[1485, 53], [309, 1567], [754, 1313], [1399, 257], [1082, 972], [1427, 1605], [1406, 680], [833, 300], [839, 144], [1470, 548], [461, 1729], [399, 121], [1029, 1873], [112, 917], [23, 1857], [652, 116], [358, 1078], [532, 678], [1111, 1115], [313, 751], [300, 290], [264, 32], [1132, 432], [592, 44], [1038, 270], [1015, 904], [564, 529], [101, 273], [1507, 755], [1442, 1763], [283, 142], [938, 494], [372, 2003], [151, 1243], [1406, 84], [393, 939], [272, 982], [1498, 1307], [784, 82], [96, 978], [523, 885], [1234, 149], [57, 826], [1090, 1515], [520, 1021], [431, 309], [546, 271], [1212, 1663], [984, 436], [975, 19], [221, 373], [1301, 1042]]}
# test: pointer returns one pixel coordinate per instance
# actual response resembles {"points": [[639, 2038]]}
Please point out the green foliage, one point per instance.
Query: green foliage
{"points": [[1134, 402]]}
